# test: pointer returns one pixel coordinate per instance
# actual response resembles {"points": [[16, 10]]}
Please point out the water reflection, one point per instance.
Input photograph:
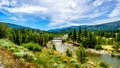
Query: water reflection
{"points": [[113, 62]]}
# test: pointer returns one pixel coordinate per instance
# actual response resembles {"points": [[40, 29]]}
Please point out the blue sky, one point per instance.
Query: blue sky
{"points": [[51, 14]]}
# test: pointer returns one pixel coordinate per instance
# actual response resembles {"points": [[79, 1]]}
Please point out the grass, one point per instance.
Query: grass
{"points": [[108, 48], [22, 56], [16, 56]]}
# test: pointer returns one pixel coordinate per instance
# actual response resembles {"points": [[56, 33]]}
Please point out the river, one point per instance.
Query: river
{"points": [[113, 62]]}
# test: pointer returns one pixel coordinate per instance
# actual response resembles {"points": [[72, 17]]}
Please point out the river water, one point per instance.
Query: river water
{"points": [[113, 62]]}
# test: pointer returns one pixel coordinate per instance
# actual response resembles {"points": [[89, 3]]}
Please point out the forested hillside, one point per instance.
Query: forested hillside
{"points": [[31, 48]]}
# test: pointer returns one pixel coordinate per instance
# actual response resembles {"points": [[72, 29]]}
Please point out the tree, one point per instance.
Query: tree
{"points": [[85, 32], [70, 35], [74, 37], [117, 41], [68, 52], [81, 54], [54, 48], [92, 40], [79, 34], [4, 30]]}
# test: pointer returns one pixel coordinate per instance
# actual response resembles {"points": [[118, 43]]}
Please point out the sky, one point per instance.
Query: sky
{"points": [[51, 14]]}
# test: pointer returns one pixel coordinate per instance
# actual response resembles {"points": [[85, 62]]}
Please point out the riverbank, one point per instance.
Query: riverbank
{"points": [[111, 53], [97, 51]]}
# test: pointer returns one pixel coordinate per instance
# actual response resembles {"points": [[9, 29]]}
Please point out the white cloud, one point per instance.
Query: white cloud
{"points": [[27, 9], [115, 11], [69, 24], [98, 2], [19, 18], [4, 2], [61, 12], [7, 3], [112, 19]]}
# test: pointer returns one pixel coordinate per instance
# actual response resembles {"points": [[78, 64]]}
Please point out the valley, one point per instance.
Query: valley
{"points": [[77, 48]]}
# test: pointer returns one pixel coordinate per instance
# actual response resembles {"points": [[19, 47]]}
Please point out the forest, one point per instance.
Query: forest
{"points": [[30, 48]]}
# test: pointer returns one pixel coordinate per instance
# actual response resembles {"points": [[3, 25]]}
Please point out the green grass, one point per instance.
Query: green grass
{"points": [[45, 58]]}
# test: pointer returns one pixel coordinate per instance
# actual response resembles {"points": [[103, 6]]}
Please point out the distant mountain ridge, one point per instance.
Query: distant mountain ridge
{"points": [[14, 25], [106, 26]]}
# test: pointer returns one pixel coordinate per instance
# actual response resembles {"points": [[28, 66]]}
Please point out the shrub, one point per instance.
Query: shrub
{"points": [[29, 56], [14, 49], [103, 65], [32, 46], [81, 54], [19, 54], [68, 53], [54, 48], [26, 55], [114, 47], [97, 47]]}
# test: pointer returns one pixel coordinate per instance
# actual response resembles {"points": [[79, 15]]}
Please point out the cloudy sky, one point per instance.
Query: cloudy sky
{"points": [[49, 14]]}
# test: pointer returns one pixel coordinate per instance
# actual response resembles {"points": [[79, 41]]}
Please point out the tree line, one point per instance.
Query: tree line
{"points": [[25, 35], [90, 39]]}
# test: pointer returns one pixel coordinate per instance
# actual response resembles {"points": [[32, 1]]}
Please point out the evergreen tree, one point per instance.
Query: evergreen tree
{"points": [[79, 34], [74, 37], [54, 48], [85, 32], [81, 54], [70, 35], [4, 30], [68, 52], [117, 41], [92, 40]]}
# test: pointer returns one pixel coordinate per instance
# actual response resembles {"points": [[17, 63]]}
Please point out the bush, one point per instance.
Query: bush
{"points": [[97, 47], [68, 53], [32, 46], [54, 48], [81, 54], [103, 65], [114, 47], [26, 55]]}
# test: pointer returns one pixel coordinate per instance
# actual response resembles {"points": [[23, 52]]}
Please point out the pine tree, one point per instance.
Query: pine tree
{"points": [[4, 30], [81, 54], [74, 37], [69, 53], [85, 32], [70, 35], [117, 41], [79, 34], [54, 48]]}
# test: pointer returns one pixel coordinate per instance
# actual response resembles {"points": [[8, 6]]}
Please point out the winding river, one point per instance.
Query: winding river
{"points": [[113, 62]]}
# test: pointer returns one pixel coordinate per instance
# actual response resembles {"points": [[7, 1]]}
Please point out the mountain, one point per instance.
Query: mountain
{"points": [[14, 25], [67, 29], [107, 27]]}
